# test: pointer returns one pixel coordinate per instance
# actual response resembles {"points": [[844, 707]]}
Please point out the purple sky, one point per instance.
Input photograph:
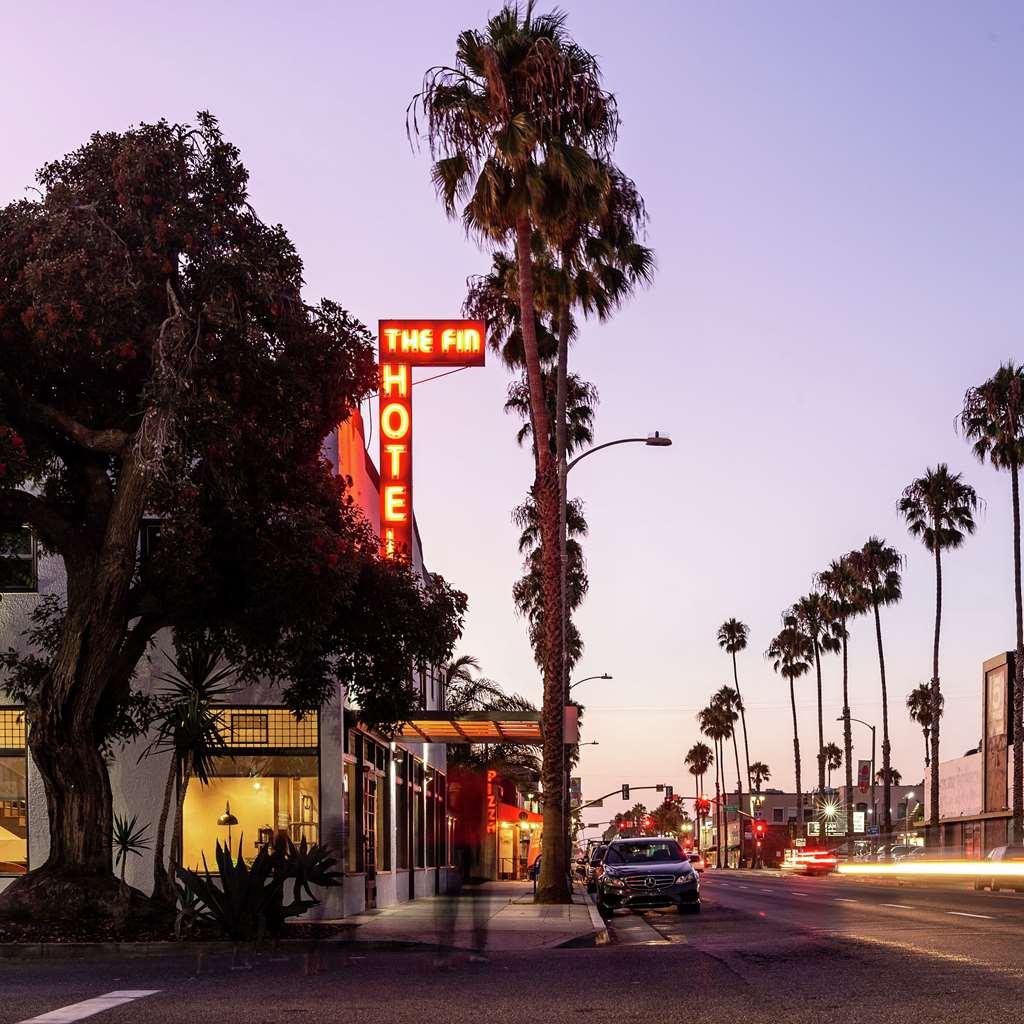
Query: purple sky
{"points": [[836, 196]]}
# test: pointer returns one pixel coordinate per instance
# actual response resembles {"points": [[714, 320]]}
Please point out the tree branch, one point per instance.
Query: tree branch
{"points": [[52, 527], [105, 442]]}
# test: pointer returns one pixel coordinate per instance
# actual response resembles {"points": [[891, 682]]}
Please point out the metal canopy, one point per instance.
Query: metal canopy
{"points": [[472, 727]]}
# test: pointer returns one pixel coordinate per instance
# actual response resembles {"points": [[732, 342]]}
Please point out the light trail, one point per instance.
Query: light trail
{"points": [[940, 869]]}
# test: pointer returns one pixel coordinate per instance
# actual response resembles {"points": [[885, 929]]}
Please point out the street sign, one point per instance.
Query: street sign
{"points": [[873, 830], [731, 808], [799, 842]]}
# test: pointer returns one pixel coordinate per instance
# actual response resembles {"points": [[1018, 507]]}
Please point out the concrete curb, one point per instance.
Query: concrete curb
{"points": [[601, 937]]}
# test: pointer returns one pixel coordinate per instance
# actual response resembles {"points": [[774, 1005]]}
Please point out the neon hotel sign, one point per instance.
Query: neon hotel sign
{"points": [[403, 345]]}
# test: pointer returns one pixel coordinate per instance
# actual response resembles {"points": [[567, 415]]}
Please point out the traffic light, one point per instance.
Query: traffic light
{"points": [[759, 829], [668, 792], [625, 791]]}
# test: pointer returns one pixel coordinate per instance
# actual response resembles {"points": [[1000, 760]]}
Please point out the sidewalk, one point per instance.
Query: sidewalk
{"points": [[493, 916]]}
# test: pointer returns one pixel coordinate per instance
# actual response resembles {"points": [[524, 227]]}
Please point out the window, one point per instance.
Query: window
{"points": [[351, 860], [267, 786], [18, 559], [13, 793], [778, 816], [149, 538], [402, 810], [417, 814]]}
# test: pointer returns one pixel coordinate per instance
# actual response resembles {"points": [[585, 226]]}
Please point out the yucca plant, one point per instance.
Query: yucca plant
{"points": [[129, 838]]}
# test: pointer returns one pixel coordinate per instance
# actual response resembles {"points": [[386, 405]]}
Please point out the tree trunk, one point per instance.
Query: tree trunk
{"points": [[743, 719], [886, 749], [932, 733], [847, 743], [739, 791], [796, 759], [821, 725], [553, 883], [162, 887], [1018, 672], [723, 843]]}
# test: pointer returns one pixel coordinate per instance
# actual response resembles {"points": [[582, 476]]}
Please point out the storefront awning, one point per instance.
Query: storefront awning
{"points": [[472, 727]]}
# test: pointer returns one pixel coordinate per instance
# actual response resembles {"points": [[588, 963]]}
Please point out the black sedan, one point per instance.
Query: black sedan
{"points": [[639, 873]]}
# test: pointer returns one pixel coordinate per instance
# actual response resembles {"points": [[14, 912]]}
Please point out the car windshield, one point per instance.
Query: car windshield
{"points": [[644, 853], [596, 854], [694, 856]]}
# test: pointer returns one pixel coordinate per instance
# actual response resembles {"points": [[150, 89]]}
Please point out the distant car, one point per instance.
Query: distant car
{"points": [[651, 872], [697, 860], [1002, 855], [802, 861], [593, 866], [905, 853]]}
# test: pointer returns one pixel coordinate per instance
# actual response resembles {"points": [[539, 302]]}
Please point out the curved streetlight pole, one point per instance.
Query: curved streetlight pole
{"points": [[604, 675], [655, 440], [874, 807]]}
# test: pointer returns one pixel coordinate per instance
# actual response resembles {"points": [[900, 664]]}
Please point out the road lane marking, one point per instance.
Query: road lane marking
{"points": [[960, 913], [843, 899], [742, 886], [793, 892], [896, 906], [88, 1007], [766, 890]]}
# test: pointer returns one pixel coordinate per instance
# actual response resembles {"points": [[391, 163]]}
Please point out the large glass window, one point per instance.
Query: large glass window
{"points": [[417, 813], [402, 810], [351, 832], [13, 793], [266, 785], [17, 559]]}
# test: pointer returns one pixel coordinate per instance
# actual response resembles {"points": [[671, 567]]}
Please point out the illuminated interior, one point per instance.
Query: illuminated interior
{"points": [[13, 793]]}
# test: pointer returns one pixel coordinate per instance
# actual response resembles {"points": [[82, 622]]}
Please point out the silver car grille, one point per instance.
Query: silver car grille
{"points": [[648, 883]]}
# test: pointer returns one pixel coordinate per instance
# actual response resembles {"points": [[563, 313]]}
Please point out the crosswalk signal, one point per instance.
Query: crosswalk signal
{"points": [[668, 792], [625, 791]]}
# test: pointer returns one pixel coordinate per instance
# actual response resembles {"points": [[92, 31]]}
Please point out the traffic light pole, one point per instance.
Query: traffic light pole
{"points": [[624, 790]]}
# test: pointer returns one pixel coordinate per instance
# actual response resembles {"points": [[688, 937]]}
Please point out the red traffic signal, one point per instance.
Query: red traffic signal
{"points": [[759, 828]]}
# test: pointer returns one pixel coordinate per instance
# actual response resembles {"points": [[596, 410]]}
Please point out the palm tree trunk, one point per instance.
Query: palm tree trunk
{"points": [[739, 791], [176, 851], [796, 759], [821, 725], [162, 888], [886, 749], [933, 795], [847, 742], [743, 718], [1018, 672], [723, 842], [552, 886]]}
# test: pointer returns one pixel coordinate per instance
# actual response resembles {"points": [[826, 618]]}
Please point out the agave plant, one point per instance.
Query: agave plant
{"points": [[129, 838]]}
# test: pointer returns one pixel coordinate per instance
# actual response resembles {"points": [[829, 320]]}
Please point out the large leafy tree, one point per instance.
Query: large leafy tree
{"points": [[841, 585], [939, 507], [992, 419], [815, 614], [733, 636], [521, 106], [877, 567], [790, 654], [157, 358]]}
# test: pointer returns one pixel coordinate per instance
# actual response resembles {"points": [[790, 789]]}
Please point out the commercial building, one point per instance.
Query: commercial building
{"points": [[380, 806]]}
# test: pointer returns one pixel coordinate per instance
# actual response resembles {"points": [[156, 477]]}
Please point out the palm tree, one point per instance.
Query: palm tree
{"points": [[877, 567], [790, 653], [732, 638], [992, 419], [460, 670], [840, 583], [889, 775], [833, 759], [939, 508], [760, 773], [188, 727], [816, 616], [713, 724], [522, 105], [731, 706], [919, 704], [698, 760]]}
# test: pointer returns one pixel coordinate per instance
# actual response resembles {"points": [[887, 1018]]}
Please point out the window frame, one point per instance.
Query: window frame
{"points": [[14, 752], [32, 558]]}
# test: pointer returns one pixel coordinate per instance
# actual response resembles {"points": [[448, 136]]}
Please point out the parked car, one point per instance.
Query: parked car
{"points": [[905, 853], [593, 866], [697, 860], [647, 873], [1003, 855]]}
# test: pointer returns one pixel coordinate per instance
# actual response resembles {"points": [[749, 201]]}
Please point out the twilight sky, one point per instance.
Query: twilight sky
{"points": [[836, 196]]}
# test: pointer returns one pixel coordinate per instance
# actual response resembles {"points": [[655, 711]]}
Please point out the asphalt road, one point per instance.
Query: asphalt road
{"points": [[764, 949]]}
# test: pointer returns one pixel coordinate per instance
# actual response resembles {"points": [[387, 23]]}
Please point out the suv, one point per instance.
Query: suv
{"points": [[647, 873]]}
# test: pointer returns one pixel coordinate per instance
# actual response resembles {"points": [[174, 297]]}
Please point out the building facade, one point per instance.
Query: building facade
{"points": [[380, 806]]}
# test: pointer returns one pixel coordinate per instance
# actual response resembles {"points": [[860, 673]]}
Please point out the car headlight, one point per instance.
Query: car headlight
{"points": [[615, 883], [686, 876]]}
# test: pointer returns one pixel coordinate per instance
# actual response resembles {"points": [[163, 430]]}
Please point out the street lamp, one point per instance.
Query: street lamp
{"points": [[604, 675], [874, 806], [655, 440]]}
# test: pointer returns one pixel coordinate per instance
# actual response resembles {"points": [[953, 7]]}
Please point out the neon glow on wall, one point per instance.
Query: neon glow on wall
{"points": [[403, 345]]}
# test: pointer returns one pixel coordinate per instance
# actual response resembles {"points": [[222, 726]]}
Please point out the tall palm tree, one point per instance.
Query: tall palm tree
{"points": [[833, 759], [522, 105], [732, 638], [790, 653], [713, 724], [878, 571], [939, 508], [922, 711], [815, 613], [760, 773], [188, 727], [698, 760], [992, 419], [728, 700], [840, 583], [889, 775]]}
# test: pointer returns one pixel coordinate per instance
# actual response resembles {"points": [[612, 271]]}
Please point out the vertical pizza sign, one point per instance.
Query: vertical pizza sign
{"points": [[405, 344]]}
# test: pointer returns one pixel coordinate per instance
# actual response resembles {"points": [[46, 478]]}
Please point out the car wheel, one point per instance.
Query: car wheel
{"points": [[689, 908]]}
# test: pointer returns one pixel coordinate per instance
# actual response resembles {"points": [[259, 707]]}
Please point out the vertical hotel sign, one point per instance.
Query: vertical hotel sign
{"points": [[405, 344]]}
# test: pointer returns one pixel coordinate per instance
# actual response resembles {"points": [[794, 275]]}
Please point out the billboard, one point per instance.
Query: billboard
{"points": [[863, 776], [404, 344]]}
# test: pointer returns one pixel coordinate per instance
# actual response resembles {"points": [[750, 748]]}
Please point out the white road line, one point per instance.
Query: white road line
{"points": [[766, 890], [88, 1007], [793, 892], [960, 913], [742, 886], [896, 906], [843, 899]]}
